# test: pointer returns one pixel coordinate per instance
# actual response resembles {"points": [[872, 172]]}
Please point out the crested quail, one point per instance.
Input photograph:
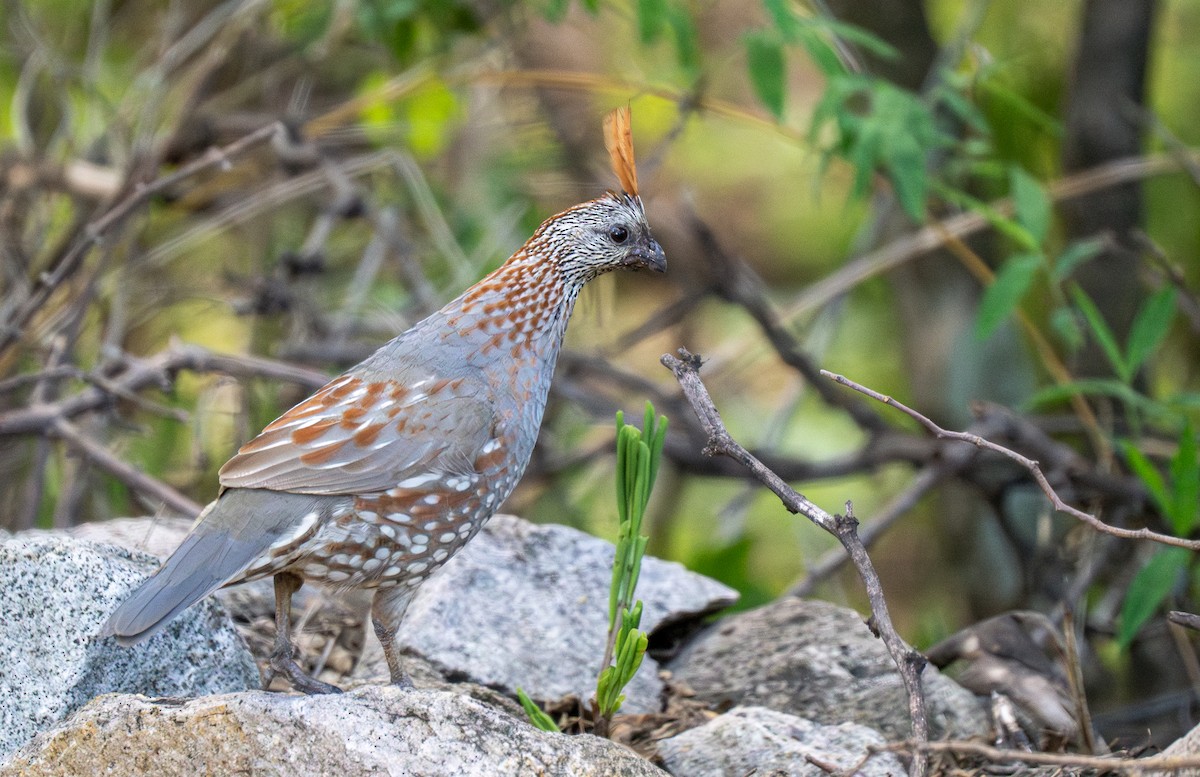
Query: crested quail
{"points": [[386, 472]]}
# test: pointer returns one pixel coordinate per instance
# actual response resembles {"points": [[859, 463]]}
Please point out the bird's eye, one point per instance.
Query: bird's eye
{"points": [[618, 234]]}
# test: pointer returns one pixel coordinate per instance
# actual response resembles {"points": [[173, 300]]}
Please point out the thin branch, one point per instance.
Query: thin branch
{"points": [[908, 662], [1032, 466], [96, 231], [832, 561], [995, 755], [123, 471], [153, 371], [1186, 619], [738, 284]]}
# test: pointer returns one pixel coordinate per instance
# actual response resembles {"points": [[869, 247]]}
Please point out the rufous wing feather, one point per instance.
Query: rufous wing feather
{"points": [[618, 139]]}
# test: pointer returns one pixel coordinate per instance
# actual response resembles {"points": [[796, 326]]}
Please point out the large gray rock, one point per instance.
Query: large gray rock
{"points": [[526, 605], [1187, 746], [159, 536], [55, 592], [756, 740], [323, 614], [522, 605], [376, 730], [818, 661]]}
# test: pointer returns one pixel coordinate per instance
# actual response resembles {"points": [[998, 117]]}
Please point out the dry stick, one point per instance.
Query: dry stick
{"points": [[1186, 619], [1029, 464], [153, 371], [123, 471], [95, 232], [1075, 680], [1104, 764], [1049, 359], [909, 662]]}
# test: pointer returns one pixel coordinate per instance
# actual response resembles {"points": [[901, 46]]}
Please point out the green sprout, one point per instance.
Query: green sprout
{"points": [[537, 717], [638, 455]]}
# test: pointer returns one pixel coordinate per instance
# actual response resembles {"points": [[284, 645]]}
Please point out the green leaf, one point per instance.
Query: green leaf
{"points": [[1001, 223], [1150, 587], [764, 55], [858, 36], [784, 18], [1010, 102], [821, 52], [687, 47], [1065, 324], [1158, 411], [1073, 256], [1031, 204], [1146, 472], [535, 714], [651, 16], [1150, 328], [906, 164], [1002, 297], [1100, 331], [1185, 483]]}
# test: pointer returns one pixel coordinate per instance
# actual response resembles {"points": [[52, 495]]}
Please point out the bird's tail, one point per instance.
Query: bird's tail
{"points": [[229, 536]]}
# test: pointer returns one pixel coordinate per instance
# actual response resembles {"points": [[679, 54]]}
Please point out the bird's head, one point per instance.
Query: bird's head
{"points": [[605, 234], [610, 232]]}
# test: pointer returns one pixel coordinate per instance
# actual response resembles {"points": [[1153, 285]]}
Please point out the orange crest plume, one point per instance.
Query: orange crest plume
{"points": [[618, 139]]}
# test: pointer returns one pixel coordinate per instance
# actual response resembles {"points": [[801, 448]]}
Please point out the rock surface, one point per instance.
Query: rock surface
{"points": [[521, 605], [756, 740], [1187, 746], [527, 605], [818, 661], [57, 591], [374, 730]]}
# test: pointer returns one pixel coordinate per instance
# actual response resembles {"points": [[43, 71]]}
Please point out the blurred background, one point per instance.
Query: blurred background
{"points": [[988, 210]]}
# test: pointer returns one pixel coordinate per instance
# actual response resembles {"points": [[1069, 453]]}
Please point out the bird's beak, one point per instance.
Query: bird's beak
{"points": [[648, 255]]}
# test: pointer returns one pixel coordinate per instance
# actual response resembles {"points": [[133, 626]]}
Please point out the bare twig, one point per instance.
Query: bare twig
{"points": [[1105, 764], [123, 471], [1074, 670], [96, 231], [1184, 619], [909, 662], [832, 561], [153, 371], [1029, 464], [741, 286]]}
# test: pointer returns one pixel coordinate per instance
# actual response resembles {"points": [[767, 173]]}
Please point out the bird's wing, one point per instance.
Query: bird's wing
{"points": [[231, 533], [358, 435]]}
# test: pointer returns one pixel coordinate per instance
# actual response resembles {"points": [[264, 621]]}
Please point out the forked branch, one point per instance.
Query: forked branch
{"points": [[908, 661]]}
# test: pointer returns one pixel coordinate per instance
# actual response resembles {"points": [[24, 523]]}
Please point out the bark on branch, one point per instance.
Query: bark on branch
{"points": [[908, 661]]}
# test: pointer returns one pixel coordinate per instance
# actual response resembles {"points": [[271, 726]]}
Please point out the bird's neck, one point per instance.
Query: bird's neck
{"points": [[518, 312]]}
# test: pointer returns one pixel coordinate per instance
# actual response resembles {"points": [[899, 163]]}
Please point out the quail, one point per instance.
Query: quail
{"points": [[387, 471]]}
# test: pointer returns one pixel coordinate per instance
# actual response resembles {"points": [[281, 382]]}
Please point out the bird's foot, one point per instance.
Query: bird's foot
{"points": [[297, 677], [402, 679]]}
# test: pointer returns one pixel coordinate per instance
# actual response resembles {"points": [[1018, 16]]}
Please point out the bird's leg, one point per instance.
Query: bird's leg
{"points": [[282, 659], [387, 610]]}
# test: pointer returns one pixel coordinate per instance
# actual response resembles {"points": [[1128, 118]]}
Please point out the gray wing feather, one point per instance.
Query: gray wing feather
{"points": [[234, 531], [417, 436]]}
